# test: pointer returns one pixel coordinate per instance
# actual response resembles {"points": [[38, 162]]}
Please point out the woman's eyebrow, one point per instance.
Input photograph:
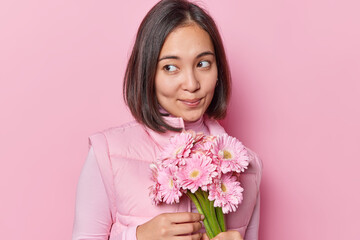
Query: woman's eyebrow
{"points": [[176, 57], [205, 53], [168, 57]]}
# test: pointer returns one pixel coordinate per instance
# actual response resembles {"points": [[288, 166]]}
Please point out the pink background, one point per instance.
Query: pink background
{"points": [[296, 94]]}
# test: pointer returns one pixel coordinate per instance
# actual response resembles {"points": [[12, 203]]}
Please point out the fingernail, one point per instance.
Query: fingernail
{"points": [[202, 217]]}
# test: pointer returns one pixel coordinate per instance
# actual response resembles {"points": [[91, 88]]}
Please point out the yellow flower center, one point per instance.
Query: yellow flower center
{"points": [[194, 173], [227, 154], [223, 188], [178, 150], [171, 183]]}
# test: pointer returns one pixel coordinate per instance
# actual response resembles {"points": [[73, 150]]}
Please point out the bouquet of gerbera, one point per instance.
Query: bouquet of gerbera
{"points": [[206, 169]]}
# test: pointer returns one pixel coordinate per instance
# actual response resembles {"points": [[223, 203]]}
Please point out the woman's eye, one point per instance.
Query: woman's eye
{"points": [[204, 64], [170, 68]]}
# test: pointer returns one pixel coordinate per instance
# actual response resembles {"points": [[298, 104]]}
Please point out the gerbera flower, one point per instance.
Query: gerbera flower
{"points": [[154, 171], [203, 147], [154, 193], [198, 172], [179, 148], [231, 153], [155, 189], [198, 137], [169, 188], [227, 193]]}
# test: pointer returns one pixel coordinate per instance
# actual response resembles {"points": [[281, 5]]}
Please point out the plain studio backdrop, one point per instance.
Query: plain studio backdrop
{"points": [[295, 101]]}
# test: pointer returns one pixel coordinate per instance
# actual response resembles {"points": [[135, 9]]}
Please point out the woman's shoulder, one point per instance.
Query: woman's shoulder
{"points": [[122, 135], [255, 165], [254, 157], [132, 125], [128, 139], [127, 128]]}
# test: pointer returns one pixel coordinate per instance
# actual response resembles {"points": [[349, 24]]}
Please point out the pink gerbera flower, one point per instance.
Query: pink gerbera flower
{"points": [[179, 148], [197, 136], [155, 189], [205, 146], [154, 171], [231, 153], [169, 188], [198, 172], [227, 193], [154, 193]]}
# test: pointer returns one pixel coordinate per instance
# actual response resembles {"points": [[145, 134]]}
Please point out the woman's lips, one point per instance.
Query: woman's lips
{"points": [[191, 102]]}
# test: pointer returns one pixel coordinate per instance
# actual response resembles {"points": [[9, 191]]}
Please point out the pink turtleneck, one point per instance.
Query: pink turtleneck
{"points": [[197, 126]]}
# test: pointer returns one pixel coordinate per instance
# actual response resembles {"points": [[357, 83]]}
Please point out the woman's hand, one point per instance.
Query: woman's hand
{"points": [[228, 235], [168, 225]]}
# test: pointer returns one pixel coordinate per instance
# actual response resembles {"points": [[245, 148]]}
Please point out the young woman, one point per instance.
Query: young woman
{"points": [[177, 78]]}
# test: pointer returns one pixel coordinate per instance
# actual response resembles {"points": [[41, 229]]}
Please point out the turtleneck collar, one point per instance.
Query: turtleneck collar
{"points": [[204, 124], [197, 126]]}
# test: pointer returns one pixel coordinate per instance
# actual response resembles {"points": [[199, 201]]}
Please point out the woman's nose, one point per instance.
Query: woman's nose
{"points": [[190, 82]]}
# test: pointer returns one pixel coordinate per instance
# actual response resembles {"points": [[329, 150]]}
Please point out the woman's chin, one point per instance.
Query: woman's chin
{"points": [[187, 115], [191, 118]]}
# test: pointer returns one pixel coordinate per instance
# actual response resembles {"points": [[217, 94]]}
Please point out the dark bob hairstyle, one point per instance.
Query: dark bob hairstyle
{"points": [[139, 80]]}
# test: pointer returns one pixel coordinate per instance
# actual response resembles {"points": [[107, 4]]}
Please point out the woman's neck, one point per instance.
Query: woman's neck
{"points": [[197, 126]]}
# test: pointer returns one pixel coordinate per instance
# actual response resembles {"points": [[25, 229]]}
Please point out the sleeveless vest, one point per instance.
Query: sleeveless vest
{"points": [[124, 154]]}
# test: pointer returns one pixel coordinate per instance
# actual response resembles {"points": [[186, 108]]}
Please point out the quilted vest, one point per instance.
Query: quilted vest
{"points": [[124, 154]]}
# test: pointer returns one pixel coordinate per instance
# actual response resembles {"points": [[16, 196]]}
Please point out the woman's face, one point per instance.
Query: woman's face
{"points": [[186, 73]]}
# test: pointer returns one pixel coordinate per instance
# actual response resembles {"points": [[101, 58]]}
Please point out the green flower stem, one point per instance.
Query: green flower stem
{"points": [[218, 212], [203, 201], [205, 194], [211, 211], [220, 218], [200, 210], [216, 227]]}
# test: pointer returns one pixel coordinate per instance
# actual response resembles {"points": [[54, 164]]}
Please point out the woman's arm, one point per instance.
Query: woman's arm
{"points": [[93, 218], [253, 227], [92, 211], [252, 230]]}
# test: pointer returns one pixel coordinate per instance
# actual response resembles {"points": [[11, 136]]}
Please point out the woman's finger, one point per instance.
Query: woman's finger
{"points": [[184, 217], [185, 228], [195, 236], [205, 237], [228, 235]]}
